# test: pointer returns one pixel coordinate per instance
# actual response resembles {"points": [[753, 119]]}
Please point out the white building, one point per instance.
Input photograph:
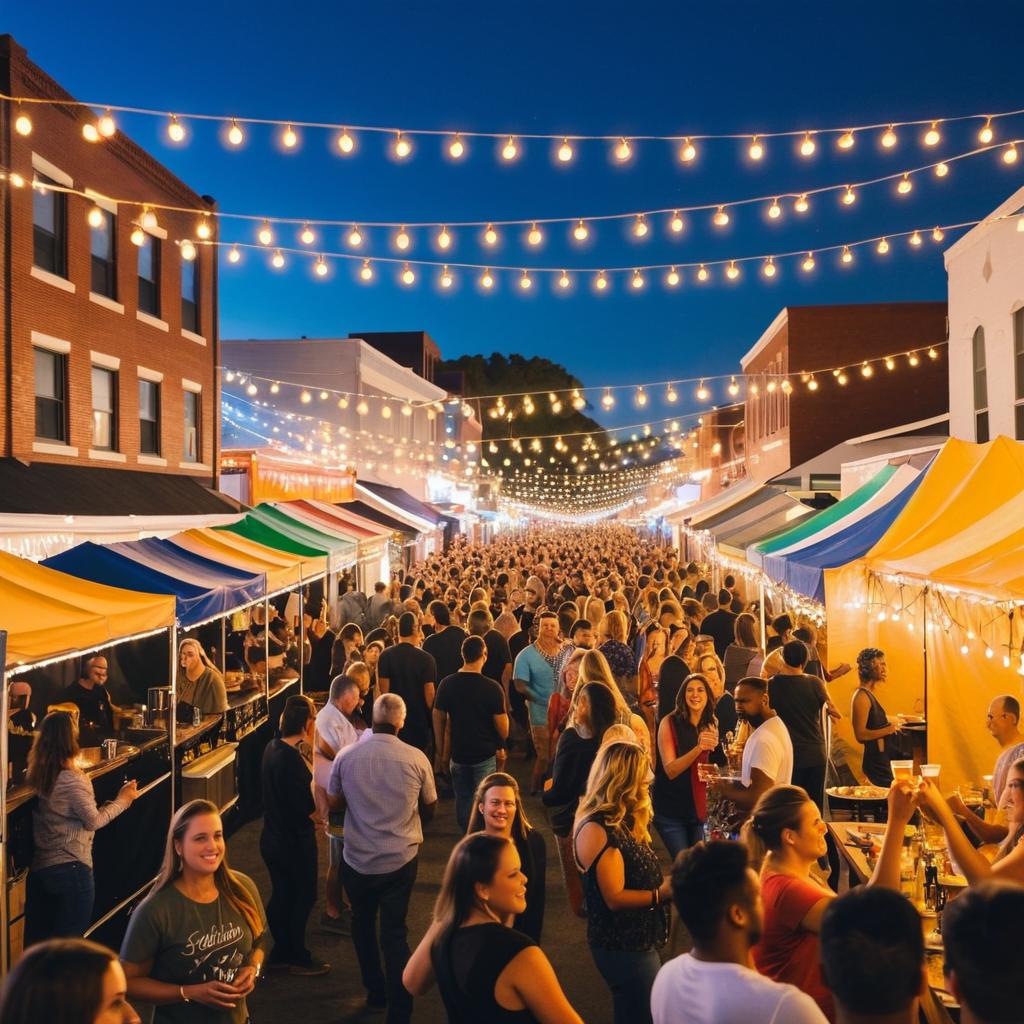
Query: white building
{"points": [[986, 326], [381, 415]]}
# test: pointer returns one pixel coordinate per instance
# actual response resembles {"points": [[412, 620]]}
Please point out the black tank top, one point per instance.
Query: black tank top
{"points": [[877, 752], [467, 965]]}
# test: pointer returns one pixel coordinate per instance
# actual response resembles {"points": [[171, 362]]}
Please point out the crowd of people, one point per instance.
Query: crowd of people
{"points": [[630, 686]]}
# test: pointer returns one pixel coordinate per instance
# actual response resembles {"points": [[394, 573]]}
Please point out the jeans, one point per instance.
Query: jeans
{"points": [[386, 896], [59, 902], [293, 875], [676, 834], [465, 779], [630, 977]]}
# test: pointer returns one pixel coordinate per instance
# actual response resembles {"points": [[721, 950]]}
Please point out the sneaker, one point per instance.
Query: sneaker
{"points": [[310, 970], [342, 924]]}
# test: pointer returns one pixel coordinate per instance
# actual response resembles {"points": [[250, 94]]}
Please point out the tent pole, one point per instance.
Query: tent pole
{"points": [[924, 658], [302, 640], [760, 604], [172, 714]]}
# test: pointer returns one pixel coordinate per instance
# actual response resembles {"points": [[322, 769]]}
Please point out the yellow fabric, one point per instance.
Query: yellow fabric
{"points": [[48, 613], [283, 569], [963, 528]]}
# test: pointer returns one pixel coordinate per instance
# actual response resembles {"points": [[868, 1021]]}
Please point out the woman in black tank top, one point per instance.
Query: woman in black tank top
{"points": [[871, 724], [487, 973]]}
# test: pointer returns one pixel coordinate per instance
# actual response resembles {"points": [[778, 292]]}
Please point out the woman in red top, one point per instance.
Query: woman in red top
{"points": [[560, 701], [786, 834]]}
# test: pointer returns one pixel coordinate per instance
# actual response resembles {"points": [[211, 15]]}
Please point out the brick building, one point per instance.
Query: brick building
{"points": [[109, 333], [787, 421]]}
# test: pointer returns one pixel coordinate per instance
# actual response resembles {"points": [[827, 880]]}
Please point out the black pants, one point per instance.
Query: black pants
{"points": [[293, 875], [387, 897]]}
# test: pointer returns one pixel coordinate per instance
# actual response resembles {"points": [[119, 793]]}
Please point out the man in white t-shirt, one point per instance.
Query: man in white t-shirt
{"points": [[718, 898], [768, 752]]}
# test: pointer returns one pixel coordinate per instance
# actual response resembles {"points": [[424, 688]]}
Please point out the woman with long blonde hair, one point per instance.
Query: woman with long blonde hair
{"points": [[198, 937], [626, 895], [199, 682]]}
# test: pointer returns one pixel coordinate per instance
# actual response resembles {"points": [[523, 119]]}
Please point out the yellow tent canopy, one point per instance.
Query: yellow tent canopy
{"points": [[937, 594], [282, 569], [48, 613]]}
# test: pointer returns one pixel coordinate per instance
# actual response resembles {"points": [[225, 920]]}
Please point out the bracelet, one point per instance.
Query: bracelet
{"points": [[184, 998]]}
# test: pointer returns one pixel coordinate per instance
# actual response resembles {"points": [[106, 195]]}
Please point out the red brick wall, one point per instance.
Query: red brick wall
{"points": [[767, 449], [121, 170]]}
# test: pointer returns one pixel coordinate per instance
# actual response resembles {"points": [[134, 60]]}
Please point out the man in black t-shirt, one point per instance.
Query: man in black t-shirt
{"points": [[476, 707], [720, 624], [89, 693], [411, 673], [798, 698], [444, 645]]}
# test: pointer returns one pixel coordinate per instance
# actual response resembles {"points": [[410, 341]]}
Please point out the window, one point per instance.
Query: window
{"points": [[980, 387], [149, 276], [192, 447], [51, 393], [49, 228], [1018, 363], [104, 409], [149, 417], [190, 294], [103, 246]]}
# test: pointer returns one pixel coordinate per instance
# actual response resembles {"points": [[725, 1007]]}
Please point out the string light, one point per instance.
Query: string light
{"points": [[23, 125], [487, 281], [234, 255], [565, 153], [175, 130], [938, 234], [95, 217], [235, 134], [913, 359], [640, 227], [734, 388], [608, 400], [889, 138], [638, 280], [289, 139], [535, 235], [721, 218], [355, 237], [623, 151], [915, 238], [366, 271], [769, 267], [866, 370], [90, 132], [563, 281], [204, 230], [883, 246], [807, 146], [402, 147], [846, 140], [849, 196], [346, 143], [308, 236], [672, 278], [775, 211], [732, 271], [446, 278], [676, 223], [602, 282], [1010, 154], [702, 273], [187, 250], [456, 148], [756, 149], [688, 151], [580, 232], [444, 240], [320, 267], [941, 169], [408, 275], [933, 136], [985, 135], [524, 282], [510, 150], [265, 235], [905, 185], [801, 205], [808, 262], [402, 240], [277, 261], [702, 393], [846, 256]]}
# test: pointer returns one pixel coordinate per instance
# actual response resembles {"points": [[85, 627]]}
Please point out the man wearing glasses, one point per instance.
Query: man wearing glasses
{"points": [[1003, 721]]}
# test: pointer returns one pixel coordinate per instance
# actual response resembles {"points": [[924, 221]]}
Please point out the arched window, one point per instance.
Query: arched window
{"points": [[980, 386]]}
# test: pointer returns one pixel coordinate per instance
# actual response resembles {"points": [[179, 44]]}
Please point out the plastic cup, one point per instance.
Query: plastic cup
{"points": [[902, 770], [930, 771]]}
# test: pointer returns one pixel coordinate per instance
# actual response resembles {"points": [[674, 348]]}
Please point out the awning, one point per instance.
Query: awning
{"points": [[399, 505], [371, 514], [202, 590], [48, 614], [405, 501], [764, 520], [692, 515], [328, 517], [745, 511], [254, 529], [233, 549], [341, 550]]}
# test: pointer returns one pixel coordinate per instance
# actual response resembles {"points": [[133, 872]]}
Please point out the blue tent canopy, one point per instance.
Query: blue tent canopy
{"points": [[803, 571], [202, 589]]}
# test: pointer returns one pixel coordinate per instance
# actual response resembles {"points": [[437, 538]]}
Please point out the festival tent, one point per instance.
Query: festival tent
{"points": [[364, 512], [341, 550], [48, 614], [252, 528], [202, 589], [282, 570], [767, 518], [937, 593]]}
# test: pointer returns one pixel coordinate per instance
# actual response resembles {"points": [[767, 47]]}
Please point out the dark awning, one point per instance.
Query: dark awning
{"points": [[360, 508], [46, 488], [404, 500]]}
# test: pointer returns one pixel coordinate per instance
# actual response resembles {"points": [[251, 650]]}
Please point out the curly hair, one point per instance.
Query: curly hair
{"points": [[864, 660], [618, 791]]}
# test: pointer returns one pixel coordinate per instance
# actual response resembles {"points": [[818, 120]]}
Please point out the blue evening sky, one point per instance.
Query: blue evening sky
{"points": [[593, 68]]}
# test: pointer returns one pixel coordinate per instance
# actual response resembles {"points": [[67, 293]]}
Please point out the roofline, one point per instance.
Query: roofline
{"points": [[781, 318], [900, 429], [1011, 206]]}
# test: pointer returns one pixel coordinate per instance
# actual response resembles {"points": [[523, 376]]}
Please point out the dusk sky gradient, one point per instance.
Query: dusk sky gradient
{"points": [[592, 68]]}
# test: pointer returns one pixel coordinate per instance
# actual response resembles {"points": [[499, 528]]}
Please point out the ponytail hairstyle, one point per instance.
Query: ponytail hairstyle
{"points": [[777, 810]]}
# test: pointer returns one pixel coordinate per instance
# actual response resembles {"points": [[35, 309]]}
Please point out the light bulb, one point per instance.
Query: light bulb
{"points": [[756, 149], [203, 229], [671, 395], [188, 250], [846, 140], [23, 125], [342, 404], [812, 384], [288, 138], [808, 263], [175, 130], [867, 370], [580, 232], [563, 281], [905, 185], [638, 280], [847, 256], [510, 150], [320, 267], [938, 235], [490, 235], [932, 137], [444, 240], [362, 407], [639, 227], [535, 237], [890, 363], [734, 388], [406, 409], [915, 238], [986, 134], [842, 379], [265, 235], [235, 134], [641, 397], [883, 246], [308, 236], [408, 275], [623, 151], [487, 280], [345, 142], [565, 152], [234, 256], [889, 137], [672, 278], [932, 354], [278, 260], [801, 205], [456, 148], [702, 393], [1010, 154], [95, 217], [148, 219], [355, 238], [687, 152], [305, 397], [366, 271], [90, 132], [402, 239], [106, 125], [138, 236], [849, 196], [702, 273], [808, 146], [941, 169], [676, 223], [385, 411], [524, 282], [914, 359], [402, 146], [775, 211], [769, 267], [601, 283], [732, 271], [721, 218]]}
